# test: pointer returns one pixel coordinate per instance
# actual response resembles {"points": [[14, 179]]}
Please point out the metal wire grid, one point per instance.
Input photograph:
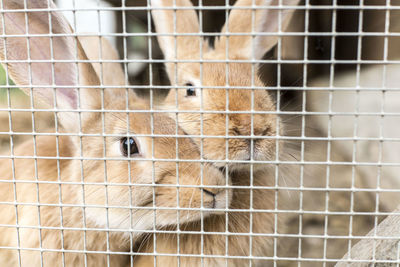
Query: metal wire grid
{"points": [[302, 138]]}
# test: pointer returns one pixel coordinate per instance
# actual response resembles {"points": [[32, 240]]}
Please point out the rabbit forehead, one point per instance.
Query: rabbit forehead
{"points": [[215, 74]]}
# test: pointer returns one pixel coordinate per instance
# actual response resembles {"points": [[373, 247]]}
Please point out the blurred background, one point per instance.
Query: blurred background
{"points": [[352, 34]]}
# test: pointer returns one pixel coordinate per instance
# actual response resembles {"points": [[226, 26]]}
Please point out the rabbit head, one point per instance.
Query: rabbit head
{"points": [[112, 149], [250, 135]]}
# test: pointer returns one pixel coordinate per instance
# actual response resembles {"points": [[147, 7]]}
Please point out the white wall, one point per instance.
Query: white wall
{"points": [[88, 21]]}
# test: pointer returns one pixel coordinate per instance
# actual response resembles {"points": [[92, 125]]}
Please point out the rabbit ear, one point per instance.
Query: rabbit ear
{"points": [[170, 21], [111, 72], [17, 51], [265, 20]]}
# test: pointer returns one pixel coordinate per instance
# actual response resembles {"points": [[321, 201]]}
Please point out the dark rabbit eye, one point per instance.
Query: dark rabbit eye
{"points": [[129, 147], [190, 91]]}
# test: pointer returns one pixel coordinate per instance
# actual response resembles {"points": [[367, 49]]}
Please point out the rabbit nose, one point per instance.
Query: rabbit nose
{"points": [[240, 131], [262, 130], [246, 124], [209, 193]]}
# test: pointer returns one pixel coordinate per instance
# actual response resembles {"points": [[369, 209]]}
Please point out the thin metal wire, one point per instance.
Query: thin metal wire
{"points": [[226, 124], [201, 133], [223, 7], [300, 256]]}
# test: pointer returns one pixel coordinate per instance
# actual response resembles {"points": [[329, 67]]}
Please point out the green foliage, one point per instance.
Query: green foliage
{"points": [[3, 78], [3, 90]]}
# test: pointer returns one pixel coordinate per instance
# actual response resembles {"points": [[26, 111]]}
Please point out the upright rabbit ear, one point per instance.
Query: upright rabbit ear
{"points": [[111, 73], [169, 21], [43, 36], [267, 19]]}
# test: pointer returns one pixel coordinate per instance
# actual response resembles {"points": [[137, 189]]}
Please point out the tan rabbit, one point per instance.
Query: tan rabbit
{"points": [[261, 222], [75, 199], [214, 244], [232, 69]]}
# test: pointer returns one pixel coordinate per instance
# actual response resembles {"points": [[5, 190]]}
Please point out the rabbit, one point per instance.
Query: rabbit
{"points": [[244, 198], [69, 199], [190, 97]]}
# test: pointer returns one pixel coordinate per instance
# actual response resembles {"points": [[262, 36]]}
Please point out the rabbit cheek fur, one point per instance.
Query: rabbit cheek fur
{"points": [[141, 172]]}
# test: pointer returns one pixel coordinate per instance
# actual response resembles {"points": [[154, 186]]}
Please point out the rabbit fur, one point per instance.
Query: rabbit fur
{"points": [[215, 124], [262, 199], [214, 101], [53, 228]]}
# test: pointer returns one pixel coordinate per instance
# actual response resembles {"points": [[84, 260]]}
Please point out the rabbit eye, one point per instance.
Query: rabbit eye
{"points": [[190, 91], [129, 147]]}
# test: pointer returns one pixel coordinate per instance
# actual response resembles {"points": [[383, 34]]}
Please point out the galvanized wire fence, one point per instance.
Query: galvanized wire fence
{"points": [[204, 133]]}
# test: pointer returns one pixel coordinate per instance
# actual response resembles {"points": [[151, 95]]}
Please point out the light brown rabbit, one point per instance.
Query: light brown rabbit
{"points": [[98, 198], [214, 244], [261, 222], [233, 69]]}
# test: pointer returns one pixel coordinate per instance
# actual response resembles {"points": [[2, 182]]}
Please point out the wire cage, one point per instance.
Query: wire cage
{"points": [[199, 133]]}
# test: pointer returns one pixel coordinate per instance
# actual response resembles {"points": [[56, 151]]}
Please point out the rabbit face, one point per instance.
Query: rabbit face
{"points": [[251, 122], [252, 130], [140, 184]]}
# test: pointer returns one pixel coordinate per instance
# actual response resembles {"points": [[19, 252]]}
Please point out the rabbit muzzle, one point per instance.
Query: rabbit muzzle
{"points": [[217, 199]]}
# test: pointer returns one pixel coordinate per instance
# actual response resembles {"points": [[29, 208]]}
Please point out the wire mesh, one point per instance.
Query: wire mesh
{"points": [[199, 133]]}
